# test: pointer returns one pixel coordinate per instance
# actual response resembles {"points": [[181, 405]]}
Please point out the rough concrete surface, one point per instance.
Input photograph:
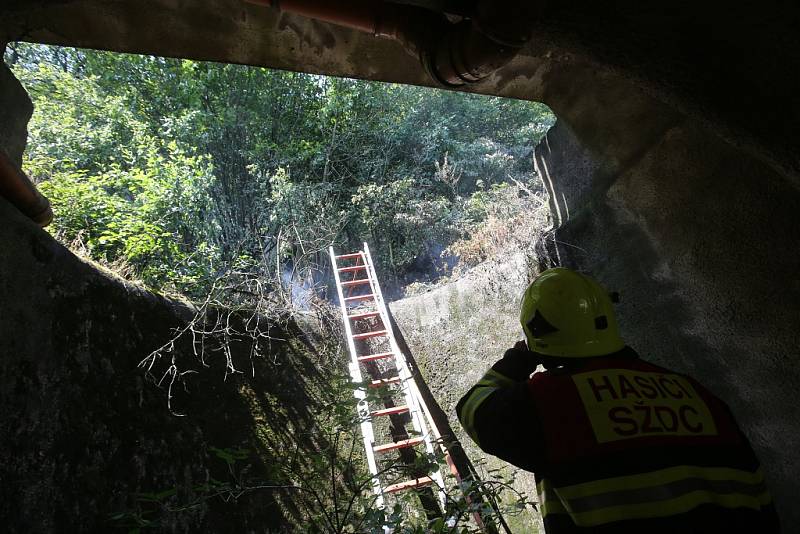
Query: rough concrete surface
{"points": [[561, 151], [724, 64], [703, 243], [456, 332]]}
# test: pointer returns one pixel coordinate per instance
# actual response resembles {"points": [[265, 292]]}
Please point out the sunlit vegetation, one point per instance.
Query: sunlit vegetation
{"points": [[179, 172]]}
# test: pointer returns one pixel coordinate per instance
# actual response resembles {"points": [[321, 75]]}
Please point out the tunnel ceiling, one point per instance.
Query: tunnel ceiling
{"points": [[729, 65]]}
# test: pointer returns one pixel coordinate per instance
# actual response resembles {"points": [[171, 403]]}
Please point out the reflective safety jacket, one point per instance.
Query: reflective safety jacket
{"points": [[620, 445]]}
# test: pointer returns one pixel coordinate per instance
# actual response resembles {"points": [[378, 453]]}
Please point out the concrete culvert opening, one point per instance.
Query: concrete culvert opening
{"points": [[225, 185], [671, 176]]}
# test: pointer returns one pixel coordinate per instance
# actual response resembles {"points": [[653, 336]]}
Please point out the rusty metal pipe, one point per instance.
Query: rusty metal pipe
{"points": [[17, 188]]}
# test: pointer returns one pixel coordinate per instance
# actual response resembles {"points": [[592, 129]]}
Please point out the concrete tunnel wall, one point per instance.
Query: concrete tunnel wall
{"points": [[673, 166], [704, 245], [701, 238]]}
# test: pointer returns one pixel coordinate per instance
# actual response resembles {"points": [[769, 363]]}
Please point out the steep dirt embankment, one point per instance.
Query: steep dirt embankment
{"points": [[456, 332]]}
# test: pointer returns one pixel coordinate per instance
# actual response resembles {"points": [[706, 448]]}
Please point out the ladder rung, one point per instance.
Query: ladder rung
{"points": [[398, 445], [355, 282], [409, 484], [389, 411], [385, 382], [350, 256], [366, 335], [364, 315], [351, 269], [378, 356], [359, 297]]}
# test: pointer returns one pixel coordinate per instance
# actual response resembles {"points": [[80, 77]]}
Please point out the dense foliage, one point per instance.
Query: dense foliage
{"points": [[184, 171]]}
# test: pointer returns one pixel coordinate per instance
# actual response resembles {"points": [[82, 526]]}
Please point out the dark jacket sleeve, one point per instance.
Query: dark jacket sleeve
{"points": [[499, 414]]}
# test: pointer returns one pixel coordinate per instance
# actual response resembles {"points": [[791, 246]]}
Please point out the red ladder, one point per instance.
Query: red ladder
{"points": [[356, 310]]}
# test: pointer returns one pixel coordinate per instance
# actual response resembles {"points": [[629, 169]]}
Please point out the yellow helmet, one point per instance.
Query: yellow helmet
{"points": [[569, 315]]}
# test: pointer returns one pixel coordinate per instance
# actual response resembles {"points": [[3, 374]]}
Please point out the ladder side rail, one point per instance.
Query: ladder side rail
{"points": [[421, 412], [402, 368], [400, 362], [412, 396], [412, 384], [360, 394]]}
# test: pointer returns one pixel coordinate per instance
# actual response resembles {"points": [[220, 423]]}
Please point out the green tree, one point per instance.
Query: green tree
{"points": [[200, 167]]}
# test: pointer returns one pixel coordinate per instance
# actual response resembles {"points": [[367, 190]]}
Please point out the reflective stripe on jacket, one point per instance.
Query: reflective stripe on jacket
{"points": [[487, 385], [666, 492]]}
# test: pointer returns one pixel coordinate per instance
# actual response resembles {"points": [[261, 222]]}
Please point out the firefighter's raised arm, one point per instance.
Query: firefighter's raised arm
{"points": [[497, 413]]}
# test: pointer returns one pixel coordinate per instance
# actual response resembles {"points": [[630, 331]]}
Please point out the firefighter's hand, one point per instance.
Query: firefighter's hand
{"points": [[521, 351], [521, 345], [520, 361]]}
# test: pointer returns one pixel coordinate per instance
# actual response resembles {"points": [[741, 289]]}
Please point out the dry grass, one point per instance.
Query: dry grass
{"points": [[517, 218], [118, 269]]}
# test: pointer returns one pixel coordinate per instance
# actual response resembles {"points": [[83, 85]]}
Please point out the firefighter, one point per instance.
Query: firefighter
{"points": [[617, 444]]}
